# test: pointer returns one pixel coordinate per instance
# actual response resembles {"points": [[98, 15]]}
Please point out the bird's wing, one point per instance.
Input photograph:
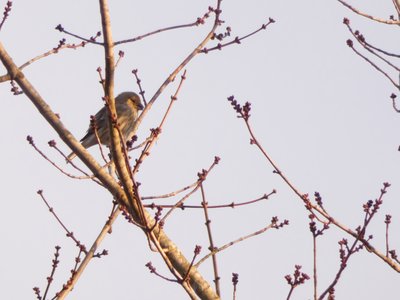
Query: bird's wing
{"points": [[100, 118]]}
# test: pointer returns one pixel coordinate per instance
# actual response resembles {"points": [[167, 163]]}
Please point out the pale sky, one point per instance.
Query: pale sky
{"points": [[321, 112]]}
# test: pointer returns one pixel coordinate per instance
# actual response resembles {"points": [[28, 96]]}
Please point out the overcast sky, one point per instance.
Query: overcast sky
{"points": [[321, 112]]}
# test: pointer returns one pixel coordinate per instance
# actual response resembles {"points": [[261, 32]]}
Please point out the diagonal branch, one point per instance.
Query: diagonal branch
{"points": [[243, 113], [89, 255], [180, 263], [172, 76], [358, 12]]}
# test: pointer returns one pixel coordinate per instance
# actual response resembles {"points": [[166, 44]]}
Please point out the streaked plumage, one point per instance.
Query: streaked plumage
{"points": [[127, 105]]}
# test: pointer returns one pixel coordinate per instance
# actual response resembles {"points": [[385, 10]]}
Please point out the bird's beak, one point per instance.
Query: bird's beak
{"points": [[140, 106]]}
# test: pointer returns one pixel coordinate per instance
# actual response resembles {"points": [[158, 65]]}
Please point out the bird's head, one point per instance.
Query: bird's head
{"points": [[131, 98]]}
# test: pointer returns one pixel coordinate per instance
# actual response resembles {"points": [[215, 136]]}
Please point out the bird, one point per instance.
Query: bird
{"points": [[127, 105]]}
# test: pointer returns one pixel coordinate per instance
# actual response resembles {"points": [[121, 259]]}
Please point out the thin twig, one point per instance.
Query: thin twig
{"points": [[87, 176], [153, 270], [235, 281], [172, 194], [91, 40], [314, 209], [36, 58], [156, 132], [204, 203], [298, 278], [370, 211], [231, 204], [54, 266], [387, 222], [358, 12], [361, 39], [196, 252], [6, 13], [315, 267], [222, 248], [202, 177], [237, 39], [70, 234], [198, 22], [121, 55], [350, 44], [138, 82], [106, 229], [381, 50], [174, 73]]}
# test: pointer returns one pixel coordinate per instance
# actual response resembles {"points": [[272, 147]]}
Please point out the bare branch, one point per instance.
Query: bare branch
{"points": [[54, 266], [298, 279], [6, 13], [106, 229], [231, 204], [138, 81], [376, 67], [361, 40], [155, 133], [70, 234], [244, 113], [196, 51], [199, 21], [52, 144], [61, 45], [237, 39], [202, 176], [358, 12], [273, 224], [204, 203]]}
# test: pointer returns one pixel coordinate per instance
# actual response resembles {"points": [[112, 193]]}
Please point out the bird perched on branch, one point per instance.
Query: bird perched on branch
{"points": [[127, 105]]}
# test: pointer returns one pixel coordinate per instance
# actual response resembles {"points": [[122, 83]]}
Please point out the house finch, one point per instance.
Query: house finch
{"points": [[127, 105]]}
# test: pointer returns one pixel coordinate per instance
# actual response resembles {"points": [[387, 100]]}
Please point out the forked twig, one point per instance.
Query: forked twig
{"points": [[156, 132], [244, 113], [274, 224], [238, 40], [52, 144], [202, 177]]}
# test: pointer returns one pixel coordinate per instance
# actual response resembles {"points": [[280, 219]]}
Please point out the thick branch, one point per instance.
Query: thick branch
{"points": [[117, 155], [202, 288]]}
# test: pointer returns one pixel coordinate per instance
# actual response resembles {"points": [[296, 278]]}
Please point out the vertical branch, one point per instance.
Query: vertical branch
{"points": [[315, 266], [387, 222], [167, 249], [108, 51], [235, 280], [53, 270], [210, 238], [117, 154]]}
